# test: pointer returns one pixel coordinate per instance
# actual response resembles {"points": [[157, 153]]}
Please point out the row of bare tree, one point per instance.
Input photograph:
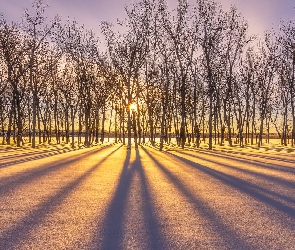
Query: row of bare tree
{"points": [[191, 73]]}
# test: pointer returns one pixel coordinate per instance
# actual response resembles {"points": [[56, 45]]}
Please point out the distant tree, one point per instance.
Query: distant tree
{"points": [[14, 60], [182, 35], [235, 40], [37, 34], [80, 47], [212, 25], [264, 77], [127, 53], [286, 39]]}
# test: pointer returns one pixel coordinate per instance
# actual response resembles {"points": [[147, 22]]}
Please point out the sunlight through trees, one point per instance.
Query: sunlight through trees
{"points": [[192, 74]]}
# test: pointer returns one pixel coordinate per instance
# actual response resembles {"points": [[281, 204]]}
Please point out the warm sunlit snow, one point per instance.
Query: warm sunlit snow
{"points": [[108, 197]]}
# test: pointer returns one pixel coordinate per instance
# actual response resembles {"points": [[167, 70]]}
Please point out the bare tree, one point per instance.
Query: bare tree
{"points": [[14, 58], [37, 33], [212, 24]]}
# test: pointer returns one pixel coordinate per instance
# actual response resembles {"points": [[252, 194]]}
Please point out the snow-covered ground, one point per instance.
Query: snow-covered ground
{"points": [[108, 197], [273, 147]]}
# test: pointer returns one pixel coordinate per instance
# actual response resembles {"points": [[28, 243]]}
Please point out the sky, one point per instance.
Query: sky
{"points": [[260, 14]]}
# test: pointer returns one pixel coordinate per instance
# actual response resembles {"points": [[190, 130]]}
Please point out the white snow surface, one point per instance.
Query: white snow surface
{"points": [[109, 197]]}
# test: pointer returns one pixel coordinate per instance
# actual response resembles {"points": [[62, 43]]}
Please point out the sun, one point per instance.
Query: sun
{"points": [[133, 107]]}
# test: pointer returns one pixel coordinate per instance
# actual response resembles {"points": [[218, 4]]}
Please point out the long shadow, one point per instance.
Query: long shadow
{"points": [[272, 166], [247, 171], [230, 237], [17, 159], [156, 240], [8, 184], [244, 186], [283, 158], [18, 232], [26, 157], [45, 151], [113, 223], [287, 159], [255, 174]]}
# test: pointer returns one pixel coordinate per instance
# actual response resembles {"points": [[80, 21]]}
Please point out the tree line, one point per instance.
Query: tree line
{"points": [[194, 73]]}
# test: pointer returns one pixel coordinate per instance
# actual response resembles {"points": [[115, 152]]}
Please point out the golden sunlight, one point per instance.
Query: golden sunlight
{"points": [[133, 107]]}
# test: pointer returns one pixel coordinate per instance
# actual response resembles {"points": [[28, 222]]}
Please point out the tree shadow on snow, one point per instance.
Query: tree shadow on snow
{"points": [[21, 229], [31, 156], [258, 160], [8, 184], [258, 193], [269, 177], [113, 226], [229, 236], [155, 238]]}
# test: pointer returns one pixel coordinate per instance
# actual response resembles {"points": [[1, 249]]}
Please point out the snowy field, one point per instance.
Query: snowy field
{"points": [[108, 197]]}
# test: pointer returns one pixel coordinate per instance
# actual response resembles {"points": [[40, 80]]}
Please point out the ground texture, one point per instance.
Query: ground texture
{"points": [[114, 198]]}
